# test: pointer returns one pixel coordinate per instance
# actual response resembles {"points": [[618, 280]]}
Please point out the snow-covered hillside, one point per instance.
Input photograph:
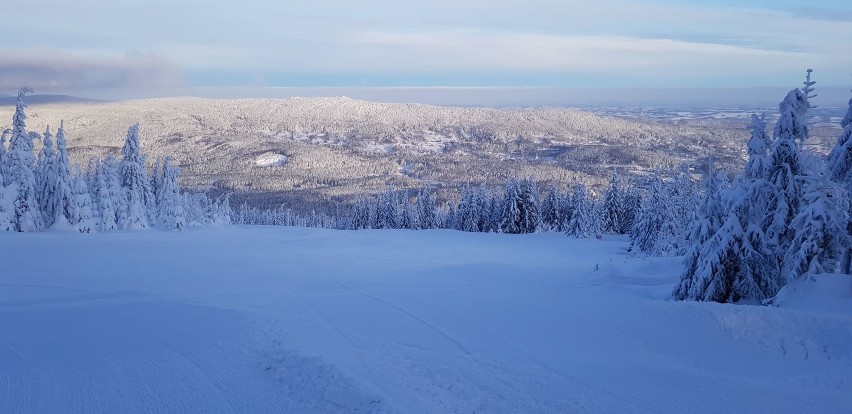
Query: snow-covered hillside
{"points": [[271, 320], [337, 148]]}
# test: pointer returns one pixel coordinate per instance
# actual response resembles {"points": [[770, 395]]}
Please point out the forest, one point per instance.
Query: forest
{"points": [[784, 217]]}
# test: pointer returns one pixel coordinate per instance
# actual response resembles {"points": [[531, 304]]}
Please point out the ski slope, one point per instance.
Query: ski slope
{"points": [[293, 320]]}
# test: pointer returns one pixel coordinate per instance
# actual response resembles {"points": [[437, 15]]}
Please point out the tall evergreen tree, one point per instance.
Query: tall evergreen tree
{"points": [[134, 183], [4, 159], [171, 211], [615, 207], [650, 219], [758, 148], [581, 224], [840, 170], [711, 217], [511, 220], [107, 196], [426, 209], [82, 217], [61, 197], [21, 164], [46, 175], [531, 203], [820, 234], [520, 211], [785, 166], [551, 210], [387, 209]]}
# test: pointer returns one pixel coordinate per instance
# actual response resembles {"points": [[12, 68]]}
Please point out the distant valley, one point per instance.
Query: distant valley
{"points": [[308, 152]]}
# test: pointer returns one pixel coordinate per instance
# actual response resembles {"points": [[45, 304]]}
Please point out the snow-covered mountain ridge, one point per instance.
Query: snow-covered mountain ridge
{"points": [[338, 147]]}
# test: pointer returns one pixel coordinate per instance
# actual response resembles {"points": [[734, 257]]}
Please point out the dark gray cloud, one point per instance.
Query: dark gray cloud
{"points": [[52, 71]]}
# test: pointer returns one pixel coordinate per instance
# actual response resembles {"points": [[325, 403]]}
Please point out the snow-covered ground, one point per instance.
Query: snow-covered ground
{"points": [[292, 320]]}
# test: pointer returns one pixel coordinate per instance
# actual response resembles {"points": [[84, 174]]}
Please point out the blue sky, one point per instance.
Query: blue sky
{"points": [[97, 47]]}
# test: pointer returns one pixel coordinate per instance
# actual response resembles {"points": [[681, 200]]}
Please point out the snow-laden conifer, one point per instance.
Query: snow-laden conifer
{"points": [[426, 209], [581, 224], [840, 171], [615, 207], [785, 166], [108, 195], [820, 231], [651, 218], [21, 165], [46, 176], [170, 207], [387, 209], [4, 158], [511, 220], [134, 183], [710, 218], [551, 210], [82, 216], [758, 148]]}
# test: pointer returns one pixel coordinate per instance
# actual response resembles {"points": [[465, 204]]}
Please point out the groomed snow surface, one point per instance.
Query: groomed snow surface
{"points": [[292, 320]]}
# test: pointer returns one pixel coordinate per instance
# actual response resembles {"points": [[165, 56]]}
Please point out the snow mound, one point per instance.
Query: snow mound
{"points": [[813, 320], [825, 293], [271, 159]]}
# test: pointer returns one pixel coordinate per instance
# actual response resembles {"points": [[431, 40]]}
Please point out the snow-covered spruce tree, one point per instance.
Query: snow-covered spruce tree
{"points": [[650, 219], [222, 211], [387, 209], [92, 183], [530, 197], [7, 219], [426, 209], [581, 223], [840, 171], [679, 215], [107, 217], [551, 210], [112, 176], [486, 214], [27, 214], [758, 149], [134, 183], [82, 216], [155, 178], [820, 234], [785, 166], [467, 211], [511, 218], [362, 216], [731, 268], [409, 218], [45, 179], [170, 207], [615, 207], [711, 214], [4, 158], [60, 192]]}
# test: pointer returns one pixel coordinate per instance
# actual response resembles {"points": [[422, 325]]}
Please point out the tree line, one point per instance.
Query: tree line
{"points": [[40, 191]]}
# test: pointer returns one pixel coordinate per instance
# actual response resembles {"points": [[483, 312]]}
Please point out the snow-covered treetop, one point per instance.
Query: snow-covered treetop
{"points": [[758, 147], [47, 139], [808, 88], [791, 125], [20, 138], [131, 145]]}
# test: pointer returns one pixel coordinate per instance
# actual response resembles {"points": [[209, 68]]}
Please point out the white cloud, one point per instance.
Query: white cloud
{"points": [[626, 38]]}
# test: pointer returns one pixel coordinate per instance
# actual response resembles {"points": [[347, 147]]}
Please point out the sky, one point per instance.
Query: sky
{"points": [[109, 48]]}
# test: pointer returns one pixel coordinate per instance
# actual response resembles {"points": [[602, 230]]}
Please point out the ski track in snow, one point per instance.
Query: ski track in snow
{"points": [[312, 321]]}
